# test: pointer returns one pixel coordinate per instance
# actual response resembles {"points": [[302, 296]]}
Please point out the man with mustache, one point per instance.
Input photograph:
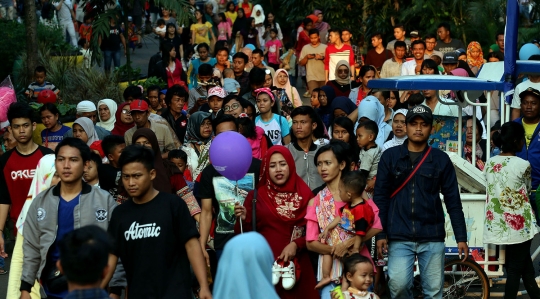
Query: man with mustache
{"points": [[409, 180]]}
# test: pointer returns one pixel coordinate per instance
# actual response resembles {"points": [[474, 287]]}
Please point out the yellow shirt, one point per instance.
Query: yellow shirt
{"points": [[231, 15], [201, 32], [529, 131]]}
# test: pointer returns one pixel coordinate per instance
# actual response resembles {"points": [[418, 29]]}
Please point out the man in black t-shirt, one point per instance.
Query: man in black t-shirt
{"points": [[221, 194], [155, 236], [110, 45]]}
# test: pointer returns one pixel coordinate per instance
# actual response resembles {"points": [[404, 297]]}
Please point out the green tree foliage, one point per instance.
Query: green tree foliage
{"points": [[471, 20]]}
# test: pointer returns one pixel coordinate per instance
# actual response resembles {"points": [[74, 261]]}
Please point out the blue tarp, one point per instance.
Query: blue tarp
{"points": [[434, 82]]}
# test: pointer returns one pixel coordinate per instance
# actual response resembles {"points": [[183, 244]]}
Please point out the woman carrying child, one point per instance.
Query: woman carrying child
{"points": [[282, 200], [332, 162]]}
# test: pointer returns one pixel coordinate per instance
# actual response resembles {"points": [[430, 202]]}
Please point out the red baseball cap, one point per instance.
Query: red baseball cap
{"points": [[46, 96], [138, 105]]}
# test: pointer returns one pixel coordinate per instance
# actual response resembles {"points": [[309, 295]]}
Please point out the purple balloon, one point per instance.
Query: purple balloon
{"points": [[230, 154]]}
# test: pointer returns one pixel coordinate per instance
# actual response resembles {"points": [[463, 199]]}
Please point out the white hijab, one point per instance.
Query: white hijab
{"points": [[109, 124], [258, 19], [395, 141]]}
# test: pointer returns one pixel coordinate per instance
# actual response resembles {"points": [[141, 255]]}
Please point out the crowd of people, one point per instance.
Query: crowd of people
{"points": [[336, 190]]}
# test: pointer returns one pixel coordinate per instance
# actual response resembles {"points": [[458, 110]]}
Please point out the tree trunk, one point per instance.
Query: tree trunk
{"points": [[30, 21]]}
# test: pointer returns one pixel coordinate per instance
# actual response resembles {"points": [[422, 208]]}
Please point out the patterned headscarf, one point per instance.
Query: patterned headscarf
{"points": [[267, 91], [479, 61]]}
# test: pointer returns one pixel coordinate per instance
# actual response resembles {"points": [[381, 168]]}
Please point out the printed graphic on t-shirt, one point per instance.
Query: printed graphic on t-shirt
{"points": [[227, 194], [142, 231]]}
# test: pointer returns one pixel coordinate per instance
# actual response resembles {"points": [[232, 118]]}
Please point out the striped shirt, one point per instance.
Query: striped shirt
{"points": [[333, 55], [34, 89]]}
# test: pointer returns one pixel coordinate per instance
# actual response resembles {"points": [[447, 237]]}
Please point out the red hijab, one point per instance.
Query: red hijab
{"points": [[290, 200], [120, 128]]}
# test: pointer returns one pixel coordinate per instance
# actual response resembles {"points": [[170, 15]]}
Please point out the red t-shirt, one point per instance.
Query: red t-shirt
{"points": [[333, 55], [358, 219], [16, 177]]}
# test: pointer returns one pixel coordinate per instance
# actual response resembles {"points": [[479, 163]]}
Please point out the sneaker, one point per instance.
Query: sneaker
{"points": [[276, 273], [288, 277], [3, 271]]}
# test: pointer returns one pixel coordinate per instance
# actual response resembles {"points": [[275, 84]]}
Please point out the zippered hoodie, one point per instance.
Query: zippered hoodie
{"points": [[95, 208], [532, 154], [415, 214], [305, 165]]}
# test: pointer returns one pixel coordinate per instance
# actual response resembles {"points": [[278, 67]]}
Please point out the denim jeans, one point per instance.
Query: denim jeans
{"points": [[401, 257], [111, 56]]}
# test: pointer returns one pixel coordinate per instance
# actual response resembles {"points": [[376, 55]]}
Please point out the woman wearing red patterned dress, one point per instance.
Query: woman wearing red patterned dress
{"points": [[282, 200]]}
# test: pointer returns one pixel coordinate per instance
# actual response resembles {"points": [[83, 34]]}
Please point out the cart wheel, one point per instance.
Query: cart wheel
{"points": [[464, 280]]}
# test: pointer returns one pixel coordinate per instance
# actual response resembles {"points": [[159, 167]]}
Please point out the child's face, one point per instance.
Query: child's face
{"points": [[362, 278], [203, 53], [264, 102], [215, 103], [343, 194], [273, 35], [171, 30], [91, 172], [364, 137], [40, 78], [115, 155], [181, 164], [161, 25], [315, 99]]}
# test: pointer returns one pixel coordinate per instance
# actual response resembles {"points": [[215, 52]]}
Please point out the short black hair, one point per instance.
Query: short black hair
{"points": [[20, 110], [110, 142], [49, 107], [418, 41], [499, 33], [509, 137], [313, 31], [400, 44], [369, 125], [257, 76], [96, 158], [307, 21], [274, 30], [40, 69], [245, 104], [445, 25], [175, 90], [152, 88], [497, 55], [416, 99], [377, 35], [231, 97], [350, 262], [133, 92], [81, 42], [430, 36], [177, 154], [77, 143], [203, 45], [206, 70], [335, 30], [400, 26], [223, 118], [479, 126], [137, 153], [84, 254], [258, 52], [241, 55], [355, 181], [304, 110], [248, 127], [160, 22]]}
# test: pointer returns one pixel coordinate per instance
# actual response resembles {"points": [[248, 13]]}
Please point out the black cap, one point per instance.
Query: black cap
{"points": [[421, 110], [530, 91], [450, 57]]}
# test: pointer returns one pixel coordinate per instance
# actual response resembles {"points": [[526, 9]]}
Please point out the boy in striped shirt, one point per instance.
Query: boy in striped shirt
{"points": [[33, 90]]}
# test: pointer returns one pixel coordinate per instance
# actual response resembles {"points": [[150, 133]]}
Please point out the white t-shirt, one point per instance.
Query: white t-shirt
{"points": [[276, 129], [408, 68], [64, 14], [516, 101]]}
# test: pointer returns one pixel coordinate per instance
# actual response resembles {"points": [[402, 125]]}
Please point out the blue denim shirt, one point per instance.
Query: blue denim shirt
{"points": [[416, 213], [95, 293]]}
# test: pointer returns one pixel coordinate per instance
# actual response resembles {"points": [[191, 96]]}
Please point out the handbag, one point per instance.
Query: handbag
{"points": [[412, 173], [55, 281]]}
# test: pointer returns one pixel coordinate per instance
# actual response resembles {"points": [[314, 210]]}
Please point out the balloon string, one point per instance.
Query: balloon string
{"points": [[236, 197]]}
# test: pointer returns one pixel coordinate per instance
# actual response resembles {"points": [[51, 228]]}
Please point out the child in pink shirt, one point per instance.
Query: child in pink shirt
{"points": [[272, 49], [224, 28]]}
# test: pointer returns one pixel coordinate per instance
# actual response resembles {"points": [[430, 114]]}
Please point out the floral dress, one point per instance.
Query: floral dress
{"points": [[509, 216]]}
